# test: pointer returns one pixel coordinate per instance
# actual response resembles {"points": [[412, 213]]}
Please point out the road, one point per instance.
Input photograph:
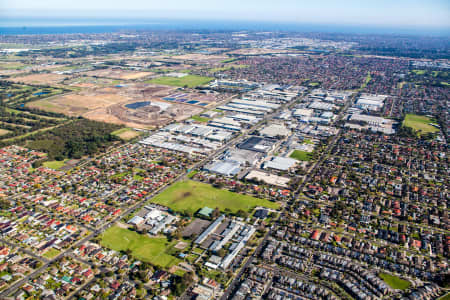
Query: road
{"points": [[181, 177], [11, 289], [232, 287]]}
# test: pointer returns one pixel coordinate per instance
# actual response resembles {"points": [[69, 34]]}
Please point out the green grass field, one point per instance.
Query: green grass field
{"points": [[394, 281], [54, 164], [200, 119], [367, 80], [301, 155], [126, 134], [419, 123], [191, 196], [152, 250], [51, 253], [445, 297], [419, 72], [229, 60], [190, 81]]}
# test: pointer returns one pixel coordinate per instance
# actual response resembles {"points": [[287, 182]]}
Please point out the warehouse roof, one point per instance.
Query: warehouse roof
{"points": [[280, 163], [227, 168], [274, 130]]}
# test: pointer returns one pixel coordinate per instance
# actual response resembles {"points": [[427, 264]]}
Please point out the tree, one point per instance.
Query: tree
{"points": [[221, 252], [216, 213], [242, 214], [4, 204]]}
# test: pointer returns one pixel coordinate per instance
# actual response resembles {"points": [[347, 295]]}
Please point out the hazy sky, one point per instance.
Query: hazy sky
{"points": [[430, 13]]}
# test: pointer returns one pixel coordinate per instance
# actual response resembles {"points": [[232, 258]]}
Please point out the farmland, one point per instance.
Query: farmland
{"points": [[191, 196]]}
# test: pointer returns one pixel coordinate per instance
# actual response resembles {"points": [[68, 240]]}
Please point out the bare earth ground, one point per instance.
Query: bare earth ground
{"points": [[3, 131], [118, 74], [181, 245], [128, 135], [77, 104], [42, 78], [257, 51], [11, 72], [89, 82], [108, 104], [200, 57]]}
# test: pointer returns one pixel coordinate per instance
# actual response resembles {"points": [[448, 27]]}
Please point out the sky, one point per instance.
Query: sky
{"points": [[415, 13]]}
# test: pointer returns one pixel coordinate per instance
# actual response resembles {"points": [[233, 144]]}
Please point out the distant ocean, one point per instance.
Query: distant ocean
{"points": [[16, 26]]}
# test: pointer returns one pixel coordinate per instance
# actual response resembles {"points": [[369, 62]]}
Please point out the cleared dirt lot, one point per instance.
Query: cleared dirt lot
{"points": [[76, 104], [42, 78], [126, 133], [4, 131], [257, 51], [200, 57], [118, 74], [90, 82], [137, 105]]}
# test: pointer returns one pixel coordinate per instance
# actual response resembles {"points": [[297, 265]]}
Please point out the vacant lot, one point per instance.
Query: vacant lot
{"points": [[126, 133], [108, 104], [190, 81], [152, 250], [76, 104], [228, 67], [191, 196], [51, 253], [4, 131], [420, 124], [394, 281], [43, 78], [301, 155], [118, 74], [91, 82], [200, 119], [55, 164], [200, 57]]}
